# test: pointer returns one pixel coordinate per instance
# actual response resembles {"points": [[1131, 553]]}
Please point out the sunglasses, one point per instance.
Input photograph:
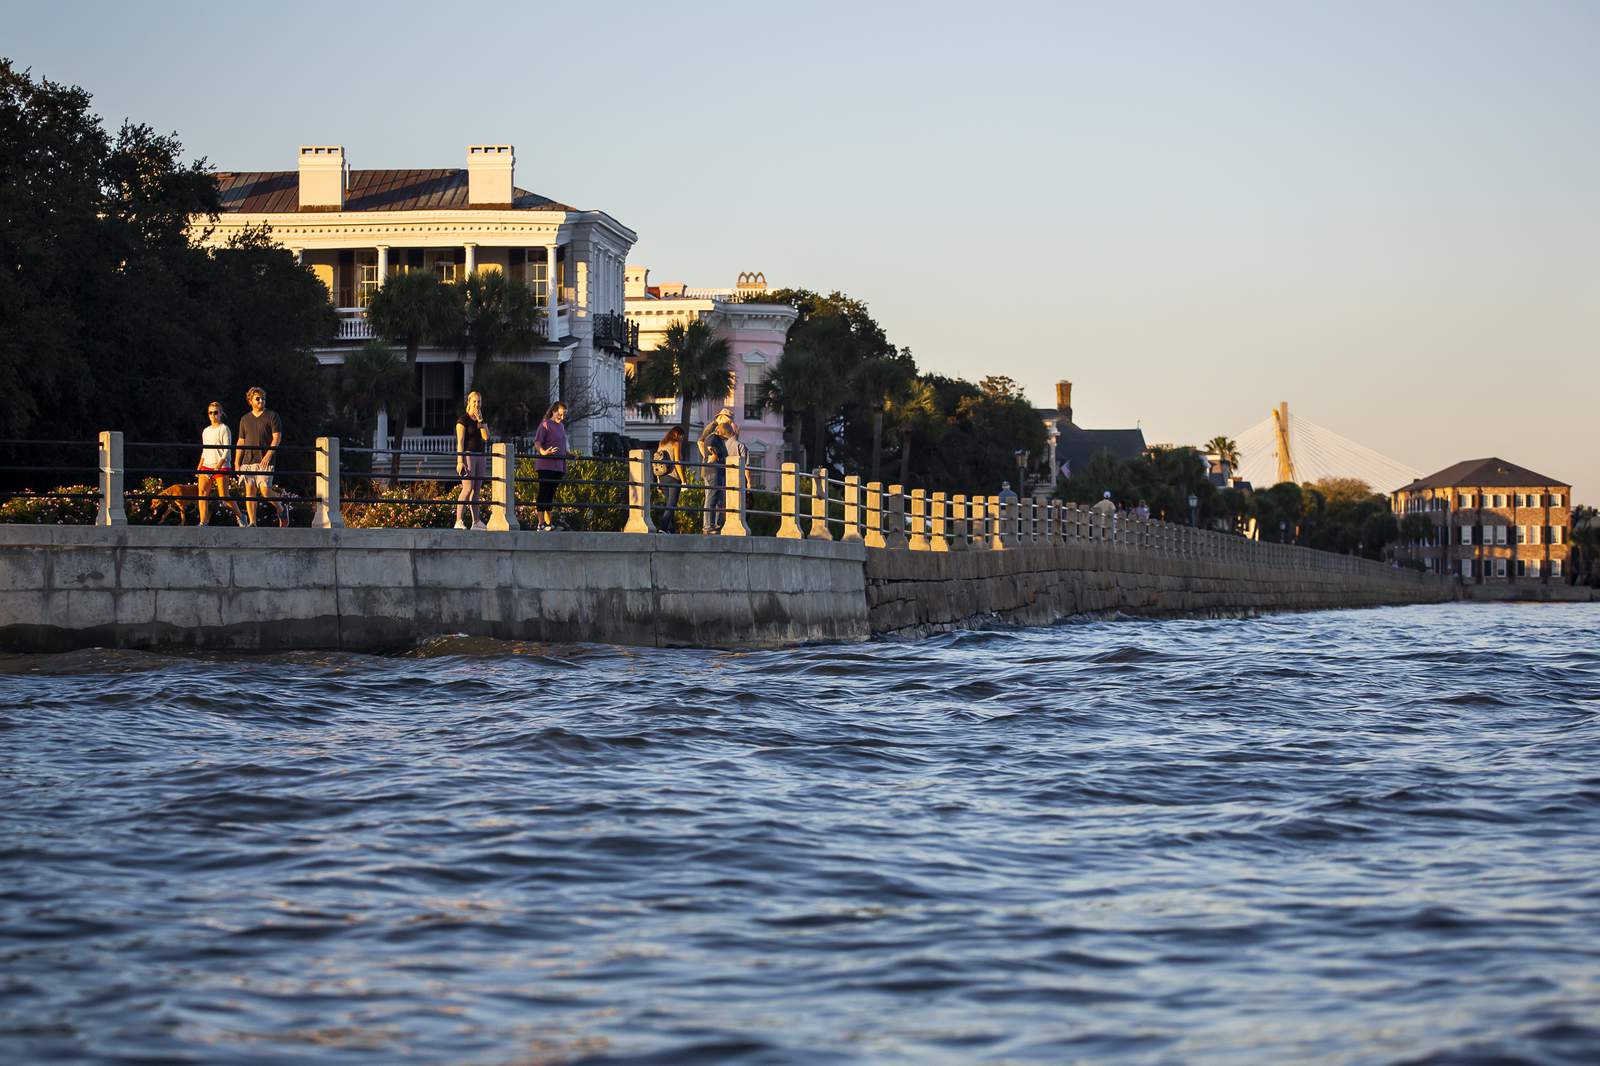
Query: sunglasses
{"points": [[213, 411]]}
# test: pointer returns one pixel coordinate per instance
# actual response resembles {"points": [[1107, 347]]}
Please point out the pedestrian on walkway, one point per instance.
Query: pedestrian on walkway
{"points": [[216, 461], [714, 455], [667, 466], [260, 434], [550, 451], [472, 461]]}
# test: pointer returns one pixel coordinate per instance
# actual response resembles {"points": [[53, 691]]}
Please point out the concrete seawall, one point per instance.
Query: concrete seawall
{"points": [[376, 589], [912, 594], [381, 589]]}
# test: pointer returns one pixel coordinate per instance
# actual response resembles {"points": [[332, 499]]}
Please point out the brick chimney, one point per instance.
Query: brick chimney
{"points": [[489, 169], [324, 177], [1064, 399]]}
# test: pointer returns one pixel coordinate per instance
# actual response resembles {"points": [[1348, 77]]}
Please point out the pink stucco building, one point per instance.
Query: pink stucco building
{"points": [[755, 332]]}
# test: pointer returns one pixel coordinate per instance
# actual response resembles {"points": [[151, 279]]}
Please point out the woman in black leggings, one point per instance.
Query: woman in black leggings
{"points": [[550, 451]]}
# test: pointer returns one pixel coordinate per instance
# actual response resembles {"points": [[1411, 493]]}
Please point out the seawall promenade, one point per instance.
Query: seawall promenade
{"points": [[382, 589]]}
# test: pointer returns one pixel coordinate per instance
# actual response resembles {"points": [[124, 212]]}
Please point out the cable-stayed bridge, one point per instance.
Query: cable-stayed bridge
{"points": [[1284, 447]]}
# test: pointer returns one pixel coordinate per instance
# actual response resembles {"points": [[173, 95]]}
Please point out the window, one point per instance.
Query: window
{"points": [[1555, 567], [1466, 567], [1466, 534], [446, 271], [1558, 534], [1499, 568], [1466, 499], [1533, 534], [1499, 534], [538, 277], [1499, 500], [366, 275], [753, 407], [1555, 499], [758, 463], [1522, 534], [1533, 568]]}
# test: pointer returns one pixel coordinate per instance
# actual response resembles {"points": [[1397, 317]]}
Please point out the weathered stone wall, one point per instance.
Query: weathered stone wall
{"points": [[915, 593], [151, 586]]}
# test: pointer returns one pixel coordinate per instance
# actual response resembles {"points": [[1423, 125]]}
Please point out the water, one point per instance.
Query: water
{"points": [[1346, 837]]}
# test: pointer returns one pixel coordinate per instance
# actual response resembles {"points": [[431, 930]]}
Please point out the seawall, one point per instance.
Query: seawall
{"points": [[916, 593], [377, 589], [380, 589]]}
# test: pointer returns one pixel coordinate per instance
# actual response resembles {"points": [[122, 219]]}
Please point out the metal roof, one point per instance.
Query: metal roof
{"points": [[278, 192], [1486, 473]]}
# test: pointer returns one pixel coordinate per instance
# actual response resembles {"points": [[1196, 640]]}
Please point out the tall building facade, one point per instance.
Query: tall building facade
{"points": [[356, 228], [755, 332], [1493, 521]]}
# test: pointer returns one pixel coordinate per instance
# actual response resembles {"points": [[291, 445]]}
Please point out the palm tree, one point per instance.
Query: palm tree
{"points": [[881, 380], [374, 378], [691, 363], [498, 316], [1226, 450], [805, 380], [412, 308]]}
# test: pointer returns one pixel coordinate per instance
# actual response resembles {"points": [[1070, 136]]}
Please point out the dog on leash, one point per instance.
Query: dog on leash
{"points": [[177, 499]]}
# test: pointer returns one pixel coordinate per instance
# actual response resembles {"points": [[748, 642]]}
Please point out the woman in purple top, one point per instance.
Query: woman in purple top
{"points": [[550, 449]]}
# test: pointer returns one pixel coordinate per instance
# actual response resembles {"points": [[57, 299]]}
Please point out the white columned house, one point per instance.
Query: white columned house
{"points": [[355, 228]]}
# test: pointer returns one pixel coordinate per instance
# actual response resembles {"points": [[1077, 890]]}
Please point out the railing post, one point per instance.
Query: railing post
{"points": [[978, 524], [958, 524], [939, 524], [1035, 521], [894, 518], [733, 524], [819, 505], [326, 515], [1002, 514], [503, 488], [788, 502], [852, 508], [919, 521], [640, 475], [874, 537], [111, 512]]}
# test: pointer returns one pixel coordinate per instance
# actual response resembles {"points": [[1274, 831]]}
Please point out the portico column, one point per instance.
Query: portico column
{"points": [[552, 292], [383, 264], [555, 382], [472, 256]]}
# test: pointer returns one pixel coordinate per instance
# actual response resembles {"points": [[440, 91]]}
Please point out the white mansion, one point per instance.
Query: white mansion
{"points": [[354, 228]]}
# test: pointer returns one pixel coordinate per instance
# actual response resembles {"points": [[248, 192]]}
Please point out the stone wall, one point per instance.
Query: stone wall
{"points": [[916, 593], [376, 589]]}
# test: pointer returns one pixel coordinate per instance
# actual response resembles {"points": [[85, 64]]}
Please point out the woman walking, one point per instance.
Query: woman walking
{"points": [[667, 465], [216, 460], [550, 451], [472, 461]]}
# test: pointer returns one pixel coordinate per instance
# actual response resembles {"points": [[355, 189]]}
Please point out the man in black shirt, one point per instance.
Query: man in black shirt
{"points": [[258, 438]]}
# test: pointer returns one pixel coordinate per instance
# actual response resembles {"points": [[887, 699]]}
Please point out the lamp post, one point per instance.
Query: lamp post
{"points": [[1022, 470], [1194, 509], [1282, 525]]}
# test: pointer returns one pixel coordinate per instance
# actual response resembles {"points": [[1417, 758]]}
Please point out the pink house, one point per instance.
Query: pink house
{"points": [[755, 333]]}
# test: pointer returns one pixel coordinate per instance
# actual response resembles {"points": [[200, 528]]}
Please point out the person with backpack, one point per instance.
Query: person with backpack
{"points": [[667, 466]]}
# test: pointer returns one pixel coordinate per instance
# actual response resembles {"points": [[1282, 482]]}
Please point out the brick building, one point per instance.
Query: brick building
{"points": [[1493, 521]]}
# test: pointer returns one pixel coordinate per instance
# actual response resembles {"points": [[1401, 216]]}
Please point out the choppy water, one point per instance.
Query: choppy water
{"points": [[1347, 837]]}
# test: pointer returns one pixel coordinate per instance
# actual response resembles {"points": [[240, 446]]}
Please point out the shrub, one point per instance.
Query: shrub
{"points": [[31, 508], [394, 513]]}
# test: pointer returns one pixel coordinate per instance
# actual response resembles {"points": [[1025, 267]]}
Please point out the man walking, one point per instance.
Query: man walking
{"points": [[258, 438]]}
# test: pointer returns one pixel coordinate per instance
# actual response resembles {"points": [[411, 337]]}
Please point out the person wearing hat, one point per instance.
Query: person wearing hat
{"points": [[1105, 506]]}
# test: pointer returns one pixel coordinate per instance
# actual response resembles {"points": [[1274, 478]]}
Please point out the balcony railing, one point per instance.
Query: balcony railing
{"points": [[353, 324], [615, 332]]}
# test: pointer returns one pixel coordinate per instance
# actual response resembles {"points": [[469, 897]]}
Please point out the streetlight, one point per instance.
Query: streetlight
{"points": [[1022, 469], [1194, 509], [1282, 525]]}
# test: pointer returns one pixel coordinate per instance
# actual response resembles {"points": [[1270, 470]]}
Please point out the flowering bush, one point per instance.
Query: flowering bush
{"points": [[30, 508], [394, 513]]}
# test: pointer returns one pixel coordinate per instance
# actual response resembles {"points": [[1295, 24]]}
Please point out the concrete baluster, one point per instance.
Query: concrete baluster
{"points": [[788, 502], [733, 525], [939, 524], [819, 505], [111, 511], [1034, 533], [959, 541], [874, 515], [640, 470], [503, 488], [1002, 523], [978, 522], [919, 521], [894, 517], [326, 514], [852, 509]]}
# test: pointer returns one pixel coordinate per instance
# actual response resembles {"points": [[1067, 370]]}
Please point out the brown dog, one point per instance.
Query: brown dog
{"points": [[175, 499]]}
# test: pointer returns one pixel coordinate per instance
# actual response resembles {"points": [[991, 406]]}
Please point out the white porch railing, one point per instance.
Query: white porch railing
{"points": [[353, 324]]}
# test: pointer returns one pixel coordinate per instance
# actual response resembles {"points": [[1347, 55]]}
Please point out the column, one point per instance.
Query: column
{"points": [[733, 524], [503, 488], [894, 517], [555, 381], [552, 293], [383, 264], [327, 513], [639, 490], [472, 256], [468, 365], [788, 502], [819, 505], [111, 511], [874, 508], [852, 508]]}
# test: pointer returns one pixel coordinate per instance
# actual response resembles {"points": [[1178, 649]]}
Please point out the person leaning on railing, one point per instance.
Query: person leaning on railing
{"points": [[550, 460], [472, 461], [713, 457], [667, 466]]}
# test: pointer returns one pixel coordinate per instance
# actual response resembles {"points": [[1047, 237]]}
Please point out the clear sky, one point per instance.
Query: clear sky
{"points": [[1384, 213]]}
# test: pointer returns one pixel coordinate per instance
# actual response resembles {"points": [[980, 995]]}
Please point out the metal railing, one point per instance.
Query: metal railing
{"points": [[627, 496]]}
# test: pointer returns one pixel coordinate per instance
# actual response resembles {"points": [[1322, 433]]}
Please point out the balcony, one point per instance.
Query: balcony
{"points": [[354, 327], [614, 332], [353, 324]]}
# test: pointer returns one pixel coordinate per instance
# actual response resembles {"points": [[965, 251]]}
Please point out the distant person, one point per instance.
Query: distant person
{"points": [[260, 434], [472, 461], [714, 454], [667, 466], [550, 451], [730, 433], [1142, 511], [216, 461], [1104, 506], [1007, 493]]}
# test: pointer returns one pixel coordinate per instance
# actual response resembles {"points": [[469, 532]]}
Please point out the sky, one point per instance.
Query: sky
{"points": [[1384, 214]]}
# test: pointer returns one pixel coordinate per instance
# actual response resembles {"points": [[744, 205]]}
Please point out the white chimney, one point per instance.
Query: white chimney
{"points": [[324, 177], [489, 175]]}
